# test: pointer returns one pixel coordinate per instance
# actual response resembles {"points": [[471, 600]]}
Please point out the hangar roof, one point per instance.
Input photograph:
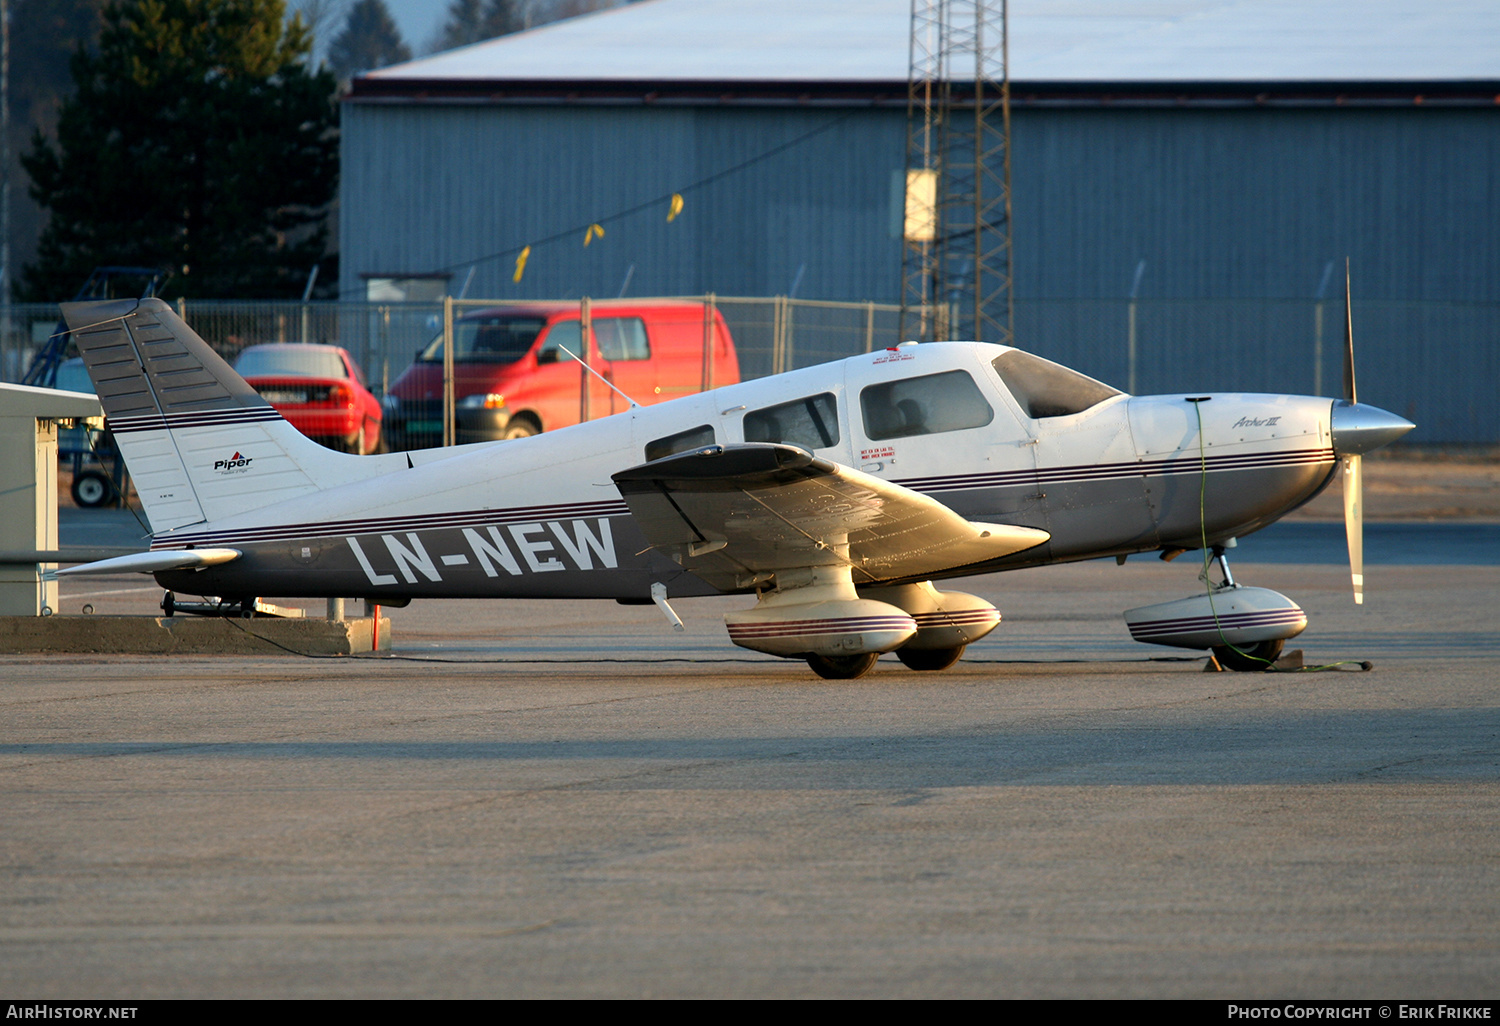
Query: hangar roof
{"points": [[1098, 42]]}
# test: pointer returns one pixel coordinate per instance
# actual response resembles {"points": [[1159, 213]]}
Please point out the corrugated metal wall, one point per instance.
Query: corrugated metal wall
{"points": [[1246, 207], [435, 187]]}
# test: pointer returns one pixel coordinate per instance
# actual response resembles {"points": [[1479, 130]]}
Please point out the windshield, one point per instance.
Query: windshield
{"points": [[487, 340], [1047, 389], [291, 361]]}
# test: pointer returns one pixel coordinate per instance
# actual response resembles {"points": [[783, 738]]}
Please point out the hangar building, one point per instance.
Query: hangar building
{"points": [[1214, 160]]}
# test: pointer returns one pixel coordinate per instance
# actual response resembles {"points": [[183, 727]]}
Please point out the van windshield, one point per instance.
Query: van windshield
{"points": [[487, 340]]}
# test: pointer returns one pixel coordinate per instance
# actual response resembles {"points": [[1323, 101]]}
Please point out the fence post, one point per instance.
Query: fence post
{"points": [[870, 326], [1135, 288], [585, 330], [710, 305], [778, 334], [448, 426]]}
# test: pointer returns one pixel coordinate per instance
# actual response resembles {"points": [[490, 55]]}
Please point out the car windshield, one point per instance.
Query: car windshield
{"points": [[291, 361], [487, 340]]}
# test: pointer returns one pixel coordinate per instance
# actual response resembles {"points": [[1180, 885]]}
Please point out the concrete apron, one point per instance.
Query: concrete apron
{"points": [[142, 635]]}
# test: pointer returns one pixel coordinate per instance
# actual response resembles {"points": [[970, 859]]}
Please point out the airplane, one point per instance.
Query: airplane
{"points": [[837, 496]]}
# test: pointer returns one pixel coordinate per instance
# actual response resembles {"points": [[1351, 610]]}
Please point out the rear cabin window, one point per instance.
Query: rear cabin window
{"points": [[812, 423], [683, 441], [928, 405], [622, 338], [1046, 389]]}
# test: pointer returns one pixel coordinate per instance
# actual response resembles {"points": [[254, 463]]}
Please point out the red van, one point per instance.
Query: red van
{"points": [[513, 374]]}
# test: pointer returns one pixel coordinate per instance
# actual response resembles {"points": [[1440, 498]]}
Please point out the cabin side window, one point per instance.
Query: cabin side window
{"points": [[927, 405], [683, 441], [812, 423], [1046, 389], [622, 338]]}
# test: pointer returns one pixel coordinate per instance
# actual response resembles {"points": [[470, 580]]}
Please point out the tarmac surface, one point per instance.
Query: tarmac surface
{"points": [[571, 800]]}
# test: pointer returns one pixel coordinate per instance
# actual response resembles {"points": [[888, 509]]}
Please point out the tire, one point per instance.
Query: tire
{"points": [[929, 658], [92, 489], [519, 429], [842, 667], [1249, 658]]}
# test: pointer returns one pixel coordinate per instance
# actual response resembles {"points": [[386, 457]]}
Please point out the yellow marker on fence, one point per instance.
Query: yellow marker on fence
{"points": [[594, 232], [521, 264], [675, 207]]}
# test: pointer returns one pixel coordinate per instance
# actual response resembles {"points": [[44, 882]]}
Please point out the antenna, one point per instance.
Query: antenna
{"points": [[633, 404]]}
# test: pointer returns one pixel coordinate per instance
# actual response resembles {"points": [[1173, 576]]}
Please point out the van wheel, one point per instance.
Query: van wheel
{"points": [[519, 429], [91, 489]]}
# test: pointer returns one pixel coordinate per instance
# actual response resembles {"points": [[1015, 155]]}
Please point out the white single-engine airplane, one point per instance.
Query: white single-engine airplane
{"points": [[835, 495]]}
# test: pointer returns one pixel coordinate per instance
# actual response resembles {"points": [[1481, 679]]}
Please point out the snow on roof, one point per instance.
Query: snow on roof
{"points": [[1079, 41]]}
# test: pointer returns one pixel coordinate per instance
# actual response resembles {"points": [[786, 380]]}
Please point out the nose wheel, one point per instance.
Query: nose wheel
{"points": [[1251, 657]]}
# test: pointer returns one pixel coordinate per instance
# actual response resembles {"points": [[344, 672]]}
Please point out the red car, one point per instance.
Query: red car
{"points": [[319, 389]]}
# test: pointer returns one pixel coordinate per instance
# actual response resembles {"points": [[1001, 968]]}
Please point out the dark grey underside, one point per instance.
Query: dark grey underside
{"points": [[1087, 520]]}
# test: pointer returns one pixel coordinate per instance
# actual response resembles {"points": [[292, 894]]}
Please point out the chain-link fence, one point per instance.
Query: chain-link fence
{"points": [[1432, 362]]}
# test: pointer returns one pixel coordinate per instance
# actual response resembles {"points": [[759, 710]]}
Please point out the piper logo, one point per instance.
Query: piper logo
{"points": [[236, 464]]}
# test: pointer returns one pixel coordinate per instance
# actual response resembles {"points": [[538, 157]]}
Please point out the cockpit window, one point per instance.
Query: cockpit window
{"points": [[1047, 389], [812, 423], [927, 405]]}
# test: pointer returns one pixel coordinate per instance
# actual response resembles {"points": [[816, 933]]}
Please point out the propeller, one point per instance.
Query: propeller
{"points": [[1354, 511]]}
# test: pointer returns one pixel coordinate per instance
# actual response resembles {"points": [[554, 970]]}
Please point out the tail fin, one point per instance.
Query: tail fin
{"points": [[199, 441]]}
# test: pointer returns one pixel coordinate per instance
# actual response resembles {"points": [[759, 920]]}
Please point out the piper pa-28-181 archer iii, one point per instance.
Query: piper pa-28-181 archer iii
{"points": [[835, 495]]}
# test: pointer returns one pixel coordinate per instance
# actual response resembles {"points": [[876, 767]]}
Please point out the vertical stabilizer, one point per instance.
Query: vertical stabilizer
{"points": [[199, 442]]}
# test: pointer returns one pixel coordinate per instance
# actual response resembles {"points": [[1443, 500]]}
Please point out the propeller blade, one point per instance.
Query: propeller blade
{"points": [[1349, 395], [1354, 524]]}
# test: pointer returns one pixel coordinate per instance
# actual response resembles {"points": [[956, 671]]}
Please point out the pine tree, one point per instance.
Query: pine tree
{"points": [[369, 40], [198, 140], [473, 21]]}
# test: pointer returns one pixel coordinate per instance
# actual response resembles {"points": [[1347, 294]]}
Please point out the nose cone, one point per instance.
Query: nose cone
{"points": [[1358, 429]]}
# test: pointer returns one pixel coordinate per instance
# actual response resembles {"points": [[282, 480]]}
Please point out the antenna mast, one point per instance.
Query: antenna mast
{"points": [[956, 260]]}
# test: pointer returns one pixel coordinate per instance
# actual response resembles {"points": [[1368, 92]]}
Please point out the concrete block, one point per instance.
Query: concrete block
{"points": [[197, 635]]}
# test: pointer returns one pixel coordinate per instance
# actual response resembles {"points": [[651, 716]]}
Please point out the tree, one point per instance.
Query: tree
{"points": [[42, 35], [198, 139], [370, 40], [472, 21]]}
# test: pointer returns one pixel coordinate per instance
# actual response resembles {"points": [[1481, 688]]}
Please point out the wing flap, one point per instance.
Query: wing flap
{"points": [[736, 514]]}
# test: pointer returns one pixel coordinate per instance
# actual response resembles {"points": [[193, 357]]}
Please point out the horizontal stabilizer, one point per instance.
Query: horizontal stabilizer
{"points": [[154, 562]]}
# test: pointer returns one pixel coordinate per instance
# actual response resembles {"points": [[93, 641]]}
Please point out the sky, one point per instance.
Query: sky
{"points": [[418, 20]]}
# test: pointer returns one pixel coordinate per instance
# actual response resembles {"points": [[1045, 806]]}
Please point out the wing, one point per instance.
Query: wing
{"points": [[735, 515]]}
